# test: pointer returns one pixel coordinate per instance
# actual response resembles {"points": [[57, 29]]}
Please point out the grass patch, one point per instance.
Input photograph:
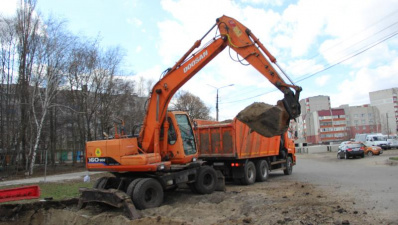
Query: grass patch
{"points": [[394, 158], [58, 191]]}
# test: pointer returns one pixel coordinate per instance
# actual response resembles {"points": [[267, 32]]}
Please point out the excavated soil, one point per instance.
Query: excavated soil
{"points": [[265, 119], [276, 201]]}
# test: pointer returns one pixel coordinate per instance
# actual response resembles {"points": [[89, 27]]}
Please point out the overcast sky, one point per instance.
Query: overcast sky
{"points": [[340, 48]]}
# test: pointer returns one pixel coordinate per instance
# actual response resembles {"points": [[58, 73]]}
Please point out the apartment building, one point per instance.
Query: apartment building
{"points": [[386, 102], [308, 124], [332, 125], [313, 104], [361, 119]]}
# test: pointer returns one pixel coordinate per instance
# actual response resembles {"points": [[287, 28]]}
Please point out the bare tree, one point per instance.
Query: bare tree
{"points": [[27, 28], [8, 121], [49, 69], [185, 101]]}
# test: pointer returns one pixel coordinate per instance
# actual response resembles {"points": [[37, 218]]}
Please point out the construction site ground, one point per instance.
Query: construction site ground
{"points": [[321, 190]]}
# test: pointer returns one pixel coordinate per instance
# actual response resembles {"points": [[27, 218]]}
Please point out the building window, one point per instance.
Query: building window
{"points": [[363, 121], [355, 115], [370, 114], [364, 127]]}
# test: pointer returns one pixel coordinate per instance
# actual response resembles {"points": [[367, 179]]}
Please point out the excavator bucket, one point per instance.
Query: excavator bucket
{"points": [[265, 119]]}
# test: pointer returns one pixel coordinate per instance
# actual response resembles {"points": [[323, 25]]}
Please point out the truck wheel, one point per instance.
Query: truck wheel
{"points": [[148, 194], [262, 170], [206, 181], [289, 166], [101, 183], [131, 187], [249, 175]]}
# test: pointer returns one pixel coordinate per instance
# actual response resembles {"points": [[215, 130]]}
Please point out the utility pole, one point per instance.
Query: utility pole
{"points": [[217, 88], [388, 129]]}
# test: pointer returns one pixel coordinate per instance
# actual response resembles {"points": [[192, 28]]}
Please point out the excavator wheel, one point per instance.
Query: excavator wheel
{"points": [[131, 187], [100, 183], [107, 183], [206, 181], [148, 193]]}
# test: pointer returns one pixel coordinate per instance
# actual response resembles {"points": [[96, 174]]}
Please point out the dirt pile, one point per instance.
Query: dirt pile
{"points": [[274, 202], [265, 119]]}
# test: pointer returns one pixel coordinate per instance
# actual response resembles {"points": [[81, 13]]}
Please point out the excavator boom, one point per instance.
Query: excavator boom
{"points": [[239, 38]]}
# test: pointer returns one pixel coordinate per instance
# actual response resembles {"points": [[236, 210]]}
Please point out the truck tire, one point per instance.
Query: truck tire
{"points": [[101, 183], [289, 166], [148, 194], [262, 170], [206, 180], [249, 175]]}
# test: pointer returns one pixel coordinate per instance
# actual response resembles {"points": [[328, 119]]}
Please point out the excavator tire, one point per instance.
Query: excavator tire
{"points": [[131, 187], [101, 183], [206, 181], [148, 194], [265, 119]]}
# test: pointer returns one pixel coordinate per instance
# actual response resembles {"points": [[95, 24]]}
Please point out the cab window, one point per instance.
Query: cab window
{"points": [[171, 134], [187, 134]]}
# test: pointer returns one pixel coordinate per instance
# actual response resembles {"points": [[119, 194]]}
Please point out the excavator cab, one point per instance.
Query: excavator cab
{"points": [[181, 144]]}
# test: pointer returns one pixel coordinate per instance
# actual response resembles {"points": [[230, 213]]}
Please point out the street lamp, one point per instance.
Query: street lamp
{"points": [[218, 88]]}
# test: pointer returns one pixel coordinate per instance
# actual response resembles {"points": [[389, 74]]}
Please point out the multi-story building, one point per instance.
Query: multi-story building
{"points": [[332, 125], [362, 119], [386, 102], [308, 122], [313, 104], [323, 126]]}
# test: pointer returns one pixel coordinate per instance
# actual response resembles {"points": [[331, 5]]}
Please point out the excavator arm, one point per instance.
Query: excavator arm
{"points": [[237, 37]]}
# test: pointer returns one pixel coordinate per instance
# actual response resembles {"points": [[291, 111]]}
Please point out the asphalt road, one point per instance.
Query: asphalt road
{"points": [[370, 182]]}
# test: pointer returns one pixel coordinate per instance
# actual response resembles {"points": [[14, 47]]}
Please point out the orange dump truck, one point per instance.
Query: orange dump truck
{"points": [[242, 155]]}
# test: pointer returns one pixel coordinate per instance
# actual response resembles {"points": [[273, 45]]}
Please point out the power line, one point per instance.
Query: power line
{"points": [[358, 53], [334, 46], [329, 67]]}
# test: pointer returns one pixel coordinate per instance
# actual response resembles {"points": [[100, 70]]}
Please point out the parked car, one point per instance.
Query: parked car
{"points": [[351, 149], [372, 150], [343, 143]]}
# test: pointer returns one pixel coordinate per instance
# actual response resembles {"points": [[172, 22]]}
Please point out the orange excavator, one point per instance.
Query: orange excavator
{"points": [[165, 154]]}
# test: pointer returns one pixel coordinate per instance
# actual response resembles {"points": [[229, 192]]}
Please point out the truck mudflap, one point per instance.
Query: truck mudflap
{"points": [[111, 197], [220, 181]]}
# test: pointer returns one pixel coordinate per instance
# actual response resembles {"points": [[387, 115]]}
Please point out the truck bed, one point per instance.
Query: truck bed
{"points": [[234, 140]]}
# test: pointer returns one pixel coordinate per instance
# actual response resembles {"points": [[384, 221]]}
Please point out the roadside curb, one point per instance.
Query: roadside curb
{"points": [[392, 162]]}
